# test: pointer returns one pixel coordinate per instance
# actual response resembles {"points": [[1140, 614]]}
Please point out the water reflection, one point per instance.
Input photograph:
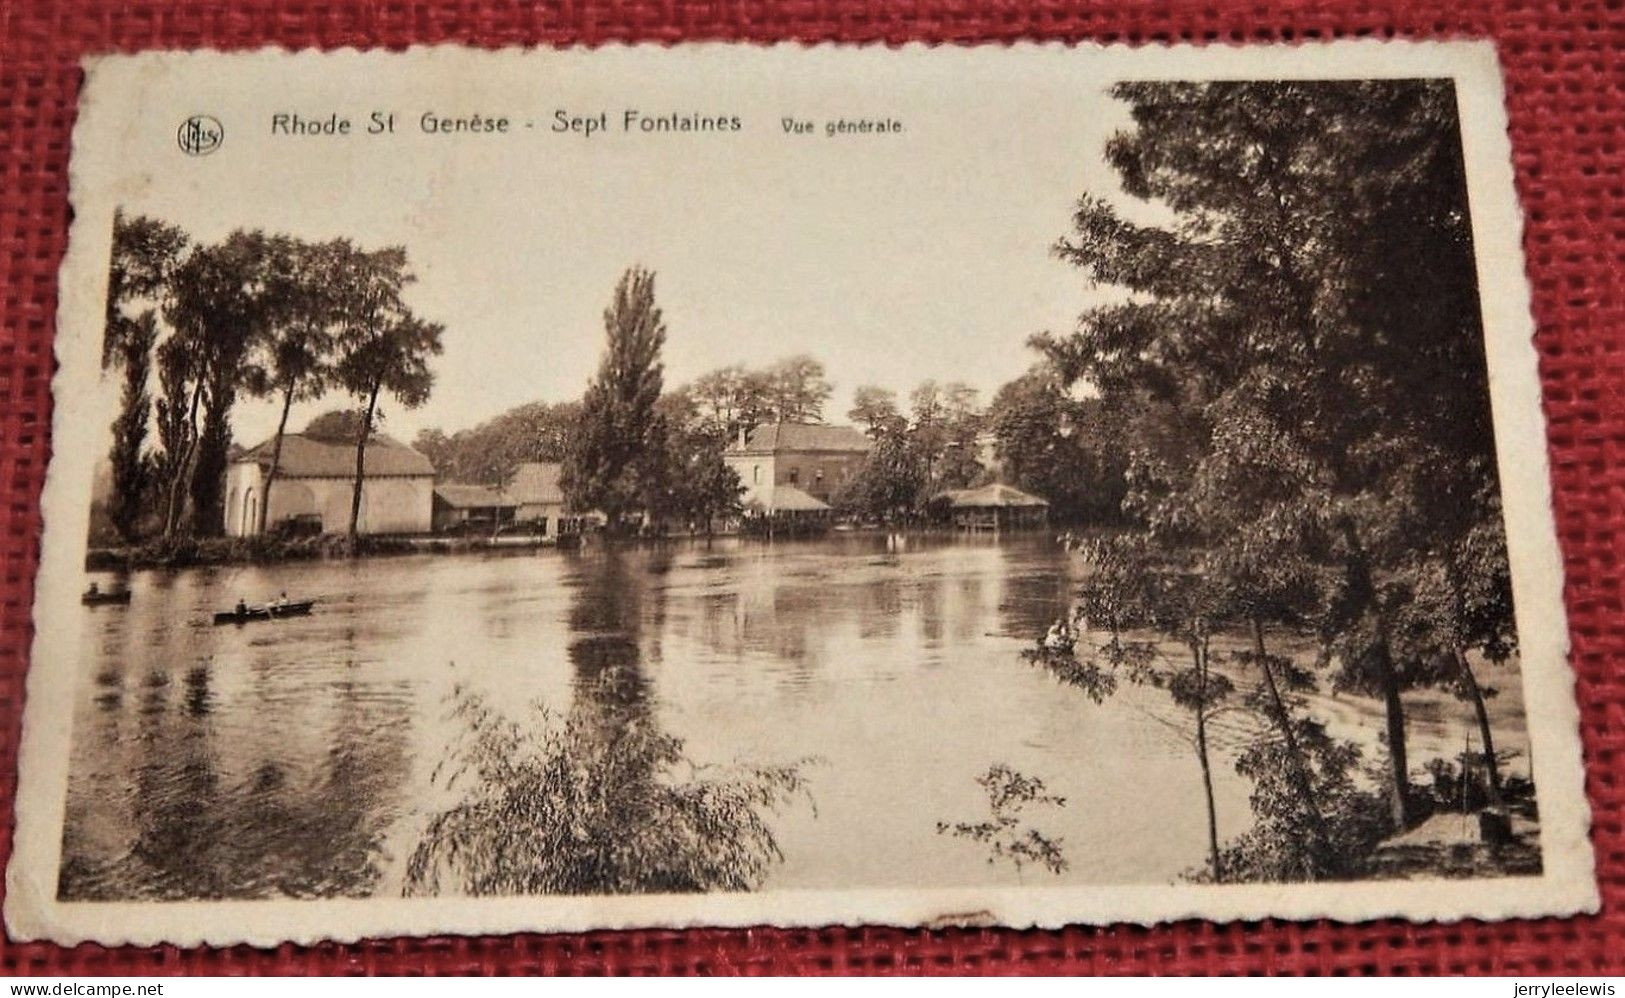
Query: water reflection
{"points": [[215, 787], [298, 757], [602, 800]]}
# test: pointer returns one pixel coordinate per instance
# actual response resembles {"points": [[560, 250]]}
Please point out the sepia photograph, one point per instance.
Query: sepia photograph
{"points": [[1080, 500]]}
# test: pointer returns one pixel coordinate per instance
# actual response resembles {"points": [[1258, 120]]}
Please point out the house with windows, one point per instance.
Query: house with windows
{"points": [[314, 485], [795, 467]]}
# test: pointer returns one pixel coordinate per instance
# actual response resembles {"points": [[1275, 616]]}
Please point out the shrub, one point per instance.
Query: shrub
{"points": [[594, 803]]}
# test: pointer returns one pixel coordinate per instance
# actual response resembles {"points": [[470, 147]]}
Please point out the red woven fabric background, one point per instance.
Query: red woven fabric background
{"points": [[1565, 64]]}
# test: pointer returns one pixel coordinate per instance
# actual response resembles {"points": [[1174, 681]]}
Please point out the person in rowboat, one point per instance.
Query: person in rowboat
{"points": [[242, 608]]}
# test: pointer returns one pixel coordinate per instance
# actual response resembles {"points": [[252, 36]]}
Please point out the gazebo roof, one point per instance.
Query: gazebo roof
{"points": [[787, 499], [992, 497]]}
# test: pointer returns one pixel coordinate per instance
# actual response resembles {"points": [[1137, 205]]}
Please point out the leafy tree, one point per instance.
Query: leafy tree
{"points": [[614, 463], [441, 450], [1284, 845], [490, 452], [944, 430], [1009, 794], [176, 412], [1459, 600], [696, 485], [382, 348], [889, 485], [702, 488], [219, 310], [1309, 329], [143, 254], [797, 390], [132, 470], [733, 400], [305, 314], [564, 806], [1136, 586], [876, 408], [1070, 451], [339, 426]]}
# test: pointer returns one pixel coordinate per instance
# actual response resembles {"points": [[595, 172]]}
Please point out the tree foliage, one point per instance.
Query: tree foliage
{"points": [[890, 484], [489, 452], [1009, 795], [336, 426], [1301, 330], [700, 489], [576, 807], [144, 253], [876, 408], [1070, 451], [305, 314], [797, 390], [614, 462], [383, 348], [946, 423], [220, 308], [735, 400], [132, 466]]}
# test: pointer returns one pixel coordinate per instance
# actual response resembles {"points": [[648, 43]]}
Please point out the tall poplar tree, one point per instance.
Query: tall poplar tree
{"points": [[131, 466], [615, 462], [143, 254]]}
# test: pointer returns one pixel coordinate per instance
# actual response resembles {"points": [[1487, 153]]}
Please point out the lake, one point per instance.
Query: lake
{"points": [[298, 757]]}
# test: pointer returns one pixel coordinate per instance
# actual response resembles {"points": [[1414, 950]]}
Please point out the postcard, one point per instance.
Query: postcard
{"points": [[730, 485]]}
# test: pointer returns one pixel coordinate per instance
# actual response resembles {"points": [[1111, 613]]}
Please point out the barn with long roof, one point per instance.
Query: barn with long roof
{"points": [[315, 481]]}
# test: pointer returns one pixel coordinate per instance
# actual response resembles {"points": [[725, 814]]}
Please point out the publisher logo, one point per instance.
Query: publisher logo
{"points": [[200, 135]]}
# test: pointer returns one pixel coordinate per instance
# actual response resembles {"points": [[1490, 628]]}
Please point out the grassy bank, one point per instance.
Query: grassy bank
{"points": [[183, 552]]}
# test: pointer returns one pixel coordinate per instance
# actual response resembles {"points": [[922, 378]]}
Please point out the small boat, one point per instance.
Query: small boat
{"points": [[264, 611], [99, 597]]}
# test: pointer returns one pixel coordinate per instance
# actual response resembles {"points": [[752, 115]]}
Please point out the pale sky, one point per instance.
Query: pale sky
{"points": [[891, 258]]}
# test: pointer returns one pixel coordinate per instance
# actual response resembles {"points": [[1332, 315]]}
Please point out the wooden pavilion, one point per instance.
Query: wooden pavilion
{"points": [[995, 507]]}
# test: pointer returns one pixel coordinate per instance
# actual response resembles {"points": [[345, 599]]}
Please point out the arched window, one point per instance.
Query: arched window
{"points": [[756, 474], [251, 511]]}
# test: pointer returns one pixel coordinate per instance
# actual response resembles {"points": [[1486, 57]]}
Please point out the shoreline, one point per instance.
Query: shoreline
{"points": [[177, 553]]}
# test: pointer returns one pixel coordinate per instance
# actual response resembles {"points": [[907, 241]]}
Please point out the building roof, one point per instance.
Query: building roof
{"points": [[533, 483], [307, 457], [458, 495], [786, 499], [536, 482], [781, 437], [990, 496]]}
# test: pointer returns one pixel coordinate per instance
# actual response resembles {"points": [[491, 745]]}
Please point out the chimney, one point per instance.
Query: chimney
{"points": [[741, 437]]}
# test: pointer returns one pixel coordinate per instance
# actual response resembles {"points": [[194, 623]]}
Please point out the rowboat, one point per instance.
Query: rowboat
{"points": [[264, 611], [101, 597]]}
